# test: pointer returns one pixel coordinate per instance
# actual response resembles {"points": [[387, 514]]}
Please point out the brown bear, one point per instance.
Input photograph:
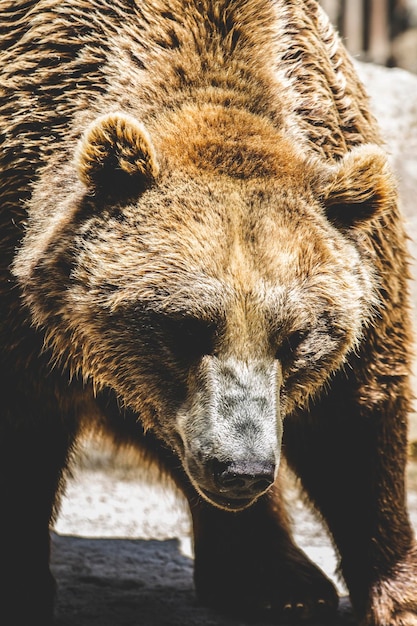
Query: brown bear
{"points": [[202, 256]]}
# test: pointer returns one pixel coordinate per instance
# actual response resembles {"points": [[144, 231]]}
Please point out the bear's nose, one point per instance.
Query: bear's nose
{"points": [[243, 478]]}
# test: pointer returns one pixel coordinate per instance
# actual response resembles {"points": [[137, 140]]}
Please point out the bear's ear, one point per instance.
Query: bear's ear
{"points": [[116, 157], [359, 187]]}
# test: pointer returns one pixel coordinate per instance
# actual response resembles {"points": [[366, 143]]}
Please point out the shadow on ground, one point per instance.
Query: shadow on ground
{"points": [[120, 582]]}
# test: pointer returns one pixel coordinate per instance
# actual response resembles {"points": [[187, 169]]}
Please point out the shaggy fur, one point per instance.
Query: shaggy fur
{"points": [[202, 256]]}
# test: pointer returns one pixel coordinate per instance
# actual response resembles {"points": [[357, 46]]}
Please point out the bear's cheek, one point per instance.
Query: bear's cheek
{"points": [[231, 430]]}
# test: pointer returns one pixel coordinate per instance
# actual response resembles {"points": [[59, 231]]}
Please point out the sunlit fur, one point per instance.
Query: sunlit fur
{"points": [[202, 255]]}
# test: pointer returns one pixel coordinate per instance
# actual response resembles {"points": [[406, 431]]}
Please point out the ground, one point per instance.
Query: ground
{"points": [[131, 564], [122, 550]]}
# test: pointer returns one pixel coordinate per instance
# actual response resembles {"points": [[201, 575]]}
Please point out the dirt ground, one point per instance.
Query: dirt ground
{"points": [[122, 554], [131, 561], [121, 582]]}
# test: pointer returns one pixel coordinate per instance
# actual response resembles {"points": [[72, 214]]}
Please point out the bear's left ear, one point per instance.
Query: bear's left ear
{"points": [[115, 156], [359, 187]]}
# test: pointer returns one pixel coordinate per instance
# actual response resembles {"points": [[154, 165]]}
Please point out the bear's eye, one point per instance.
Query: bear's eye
{"points": [[290, 345], [191, 338]]}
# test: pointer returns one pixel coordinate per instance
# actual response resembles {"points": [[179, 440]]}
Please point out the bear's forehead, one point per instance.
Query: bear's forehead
{"points": [[254, 233], [186, 230], [226, 141]]}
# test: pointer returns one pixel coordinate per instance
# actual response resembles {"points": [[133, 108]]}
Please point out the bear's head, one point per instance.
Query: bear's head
{"points": [[212, 274]]}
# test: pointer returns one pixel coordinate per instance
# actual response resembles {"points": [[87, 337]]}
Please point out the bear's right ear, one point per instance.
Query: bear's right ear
{"points": [[116, 157], [359, 187]]}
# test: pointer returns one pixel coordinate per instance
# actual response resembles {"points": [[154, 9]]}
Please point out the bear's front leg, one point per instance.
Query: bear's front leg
{"points": [[33, 450], [246, 562], [352, 464], [27, 588]]}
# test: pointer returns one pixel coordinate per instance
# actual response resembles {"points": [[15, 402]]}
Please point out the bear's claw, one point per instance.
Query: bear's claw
{"points": [[303, 611]]}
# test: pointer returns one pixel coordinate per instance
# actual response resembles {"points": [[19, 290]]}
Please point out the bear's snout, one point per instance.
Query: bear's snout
{"points": [[243, 479], [236, 485], [231, 430]]}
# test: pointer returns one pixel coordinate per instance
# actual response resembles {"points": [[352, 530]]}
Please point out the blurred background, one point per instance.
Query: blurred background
{"points": [[381, 31]]}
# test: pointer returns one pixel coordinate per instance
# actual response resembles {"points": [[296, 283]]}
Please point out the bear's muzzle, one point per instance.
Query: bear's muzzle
{"points": [[231, 430]]}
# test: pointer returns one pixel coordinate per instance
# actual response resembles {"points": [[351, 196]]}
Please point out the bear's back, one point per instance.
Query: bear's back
{"points": [[65, 63]]}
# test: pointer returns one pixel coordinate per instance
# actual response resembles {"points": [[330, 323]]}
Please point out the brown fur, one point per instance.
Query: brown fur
{"points": [[202, 255]]}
